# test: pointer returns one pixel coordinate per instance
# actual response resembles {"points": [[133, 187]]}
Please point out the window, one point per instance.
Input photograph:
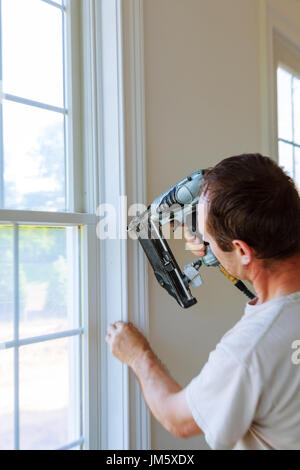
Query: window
{"points": [[43, 240], [288, 107], [289, 122], [63, 123]]}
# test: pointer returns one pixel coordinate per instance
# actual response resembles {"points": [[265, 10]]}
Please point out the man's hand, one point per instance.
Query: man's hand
{"points": [[194, 244], [163, 395], [126, 342]]}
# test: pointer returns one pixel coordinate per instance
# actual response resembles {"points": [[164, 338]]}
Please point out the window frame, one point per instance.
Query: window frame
{"points": [[286, 57], [294, 73], [107, 132], [272, 23]]}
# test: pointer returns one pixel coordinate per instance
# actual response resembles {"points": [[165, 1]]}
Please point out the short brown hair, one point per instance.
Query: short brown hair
{"points": [[251, 198]]}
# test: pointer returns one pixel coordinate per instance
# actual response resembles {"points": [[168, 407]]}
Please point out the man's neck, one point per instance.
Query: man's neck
{"points": [[281, 278]]}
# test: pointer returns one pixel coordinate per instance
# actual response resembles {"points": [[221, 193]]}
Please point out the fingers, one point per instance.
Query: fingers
{"points": [[119, 324], [188, 235], [193, 242], [115, 327], [195, 245], [111, 328], [198, 249]]}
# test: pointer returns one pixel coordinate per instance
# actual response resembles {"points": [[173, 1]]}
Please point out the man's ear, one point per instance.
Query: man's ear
{"points": [[243, 250]]}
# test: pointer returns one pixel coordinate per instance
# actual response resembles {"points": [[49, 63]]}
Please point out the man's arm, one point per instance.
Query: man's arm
{"points": [[165, 398]]}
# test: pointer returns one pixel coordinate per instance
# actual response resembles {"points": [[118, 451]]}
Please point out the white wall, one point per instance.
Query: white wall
{"points": [[203, 103]]}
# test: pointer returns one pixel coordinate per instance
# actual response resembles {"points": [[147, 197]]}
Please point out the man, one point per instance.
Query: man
{"points": [[247, 396]]}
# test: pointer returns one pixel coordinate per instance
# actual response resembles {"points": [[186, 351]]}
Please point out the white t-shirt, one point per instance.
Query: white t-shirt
{"points": [[247, 396]]}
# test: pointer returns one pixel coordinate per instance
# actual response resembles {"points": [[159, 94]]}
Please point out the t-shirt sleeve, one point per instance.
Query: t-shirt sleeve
{"points": [[223, 399]]}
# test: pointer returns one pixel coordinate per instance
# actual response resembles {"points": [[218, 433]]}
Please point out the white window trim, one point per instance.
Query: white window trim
{"points": [[114, 144], [271, 22], [137, 267]]}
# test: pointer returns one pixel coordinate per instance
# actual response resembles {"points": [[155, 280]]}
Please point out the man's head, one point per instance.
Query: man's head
{"points": [[251, 211]]}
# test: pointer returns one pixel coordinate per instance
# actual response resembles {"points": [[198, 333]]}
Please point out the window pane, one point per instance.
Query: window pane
{"points": [[284, 84], [6, 283], [34, 162], [286, 158], [296, 82], [32, 50], [49, 394], [48, 274], [6, 399]]}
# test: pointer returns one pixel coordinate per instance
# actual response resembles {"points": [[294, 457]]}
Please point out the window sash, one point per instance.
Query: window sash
{"points": [[47, 218], [89, 359], [76, 366], [17, 343], [74, 195], [34, 104]]}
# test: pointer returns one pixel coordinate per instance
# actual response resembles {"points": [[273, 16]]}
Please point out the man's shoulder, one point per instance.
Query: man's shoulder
{"points": [[261, 330]]}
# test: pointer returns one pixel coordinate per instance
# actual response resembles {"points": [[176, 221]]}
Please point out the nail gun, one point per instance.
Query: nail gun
{"points": [[177, 205]]}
